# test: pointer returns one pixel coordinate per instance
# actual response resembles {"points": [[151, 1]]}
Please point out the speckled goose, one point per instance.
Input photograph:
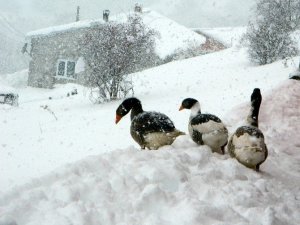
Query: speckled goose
{"points": [[247, 144], [149, 129], [205, 129]]}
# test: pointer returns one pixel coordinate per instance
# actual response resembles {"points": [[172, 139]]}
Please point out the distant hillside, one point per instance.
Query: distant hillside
{"points": [[11, 41]]}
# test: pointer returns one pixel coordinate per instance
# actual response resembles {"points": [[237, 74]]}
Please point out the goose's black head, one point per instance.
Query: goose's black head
{"points": [[255, 105], [188, 103], [126, 106], [255, 101], [256, 96]]}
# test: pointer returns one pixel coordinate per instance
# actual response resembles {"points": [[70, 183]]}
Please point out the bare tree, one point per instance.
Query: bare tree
{"points": [[116, 50]]}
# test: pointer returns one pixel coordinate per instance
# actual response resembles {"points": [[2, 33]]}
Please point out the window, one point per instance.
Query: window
{"points": [[70, 68], [66, 69], [61, 68]]}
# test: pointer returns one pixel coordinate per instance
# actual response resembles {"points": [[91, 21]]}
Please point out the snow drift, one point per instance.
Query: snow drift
{"points": [[179, 184]]}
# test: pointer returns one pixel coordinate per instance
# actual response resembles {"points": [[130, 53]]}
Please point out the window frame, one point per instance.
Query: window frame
{"points": [[65, 76]]}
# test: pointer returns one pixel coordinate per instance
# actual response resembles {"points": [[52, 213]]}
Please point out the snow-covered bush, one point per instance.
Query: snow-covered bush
{"points": [[269, 37], [116, 50], [268, 43], [285, 12]]}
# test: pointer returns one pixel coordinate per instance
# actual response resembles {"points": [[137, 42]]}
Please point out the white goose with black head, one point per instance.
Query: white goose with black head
{"points": [[205, 129], [247, 144], [149, 129]]}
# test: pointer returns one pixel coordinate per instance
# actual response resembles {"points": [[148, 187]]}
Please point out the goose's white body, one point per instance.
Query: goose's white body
{"points": [[248, 149], [247, 144], [155, 140], [214, 134]]}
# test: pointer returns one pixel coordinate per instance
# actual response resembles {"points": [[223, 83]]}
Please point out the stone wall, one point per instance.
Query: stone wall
{"points": [[47, 50]]}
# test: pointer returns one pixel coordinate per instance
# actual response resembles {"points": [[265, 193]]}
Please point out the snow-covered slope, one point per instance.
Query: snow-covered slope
{"points": [[229, 36], [180, 184], [102, 177]]}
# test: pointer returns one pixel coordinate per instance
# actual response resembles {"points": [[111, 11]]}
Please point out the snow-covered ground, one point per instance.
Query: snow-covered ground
{"points": [[68, 163]]}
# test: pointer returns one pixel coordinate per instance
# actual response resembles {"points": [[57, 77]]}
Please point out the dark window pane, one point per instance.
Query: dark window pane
{"points": [[70, 69], [61, 68]]}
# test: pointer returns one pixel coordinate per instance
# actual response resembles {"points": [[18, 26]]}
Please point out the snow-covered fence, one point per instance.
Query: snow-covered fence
{"points": [[9, 98]]}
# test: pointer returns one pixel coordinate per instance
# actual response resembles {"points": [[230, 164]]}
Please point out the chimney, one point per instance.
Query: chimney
{"points": [[106, 15], [77, 14], [138, 8]]}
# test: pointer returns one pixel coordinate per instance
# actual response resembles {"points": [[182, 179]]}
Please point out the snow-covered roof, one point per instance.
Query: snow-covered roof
{"points": [[172, 35], [63, 28]]}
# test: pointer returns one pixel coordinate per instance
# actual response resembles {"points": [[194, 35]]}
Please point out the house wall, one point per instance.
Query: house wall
{"points": [[45, 53]]}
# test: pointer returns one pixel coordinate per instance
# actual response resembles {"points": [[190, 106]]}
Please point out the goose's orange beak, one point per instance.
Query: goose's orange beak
{"points": [[181, 108], [118, 118]]}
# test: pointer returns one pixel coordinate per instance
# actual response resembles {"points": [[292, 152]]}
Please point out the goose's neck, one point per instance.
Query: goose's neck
{"points": [[195, 110], [252, 118], [135, 111]]}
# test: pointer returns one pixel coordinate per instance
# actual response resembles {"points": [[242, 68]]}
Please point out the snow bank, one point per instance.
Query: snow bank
{"points": [[219, 81], [6, 90], [179, 184], [14, 80]]}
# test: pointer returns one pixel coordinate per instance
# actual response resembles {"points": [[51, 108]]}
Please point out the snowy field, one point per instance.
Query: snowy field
{"points": [[64, 161]]}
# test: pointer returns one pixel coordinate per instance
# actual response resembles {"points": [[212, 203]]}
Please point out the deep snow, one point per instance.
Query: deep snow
{"points": [[81, 168]]}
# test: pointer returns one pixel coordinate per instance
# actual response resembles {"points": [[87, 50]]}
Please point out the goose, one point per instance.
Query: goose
{"points": [[247, 144], [205, 129], [150, 130]]}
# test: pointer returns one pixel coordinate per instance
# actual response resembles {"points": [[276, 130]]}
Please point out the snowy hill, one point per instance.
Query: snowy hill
{"points": [[229, 36], [102, 177]]}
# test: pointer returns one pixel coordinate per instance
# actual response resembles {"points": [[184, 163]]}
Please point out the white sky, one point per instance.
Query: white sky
{"points": [[192, 13]]}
